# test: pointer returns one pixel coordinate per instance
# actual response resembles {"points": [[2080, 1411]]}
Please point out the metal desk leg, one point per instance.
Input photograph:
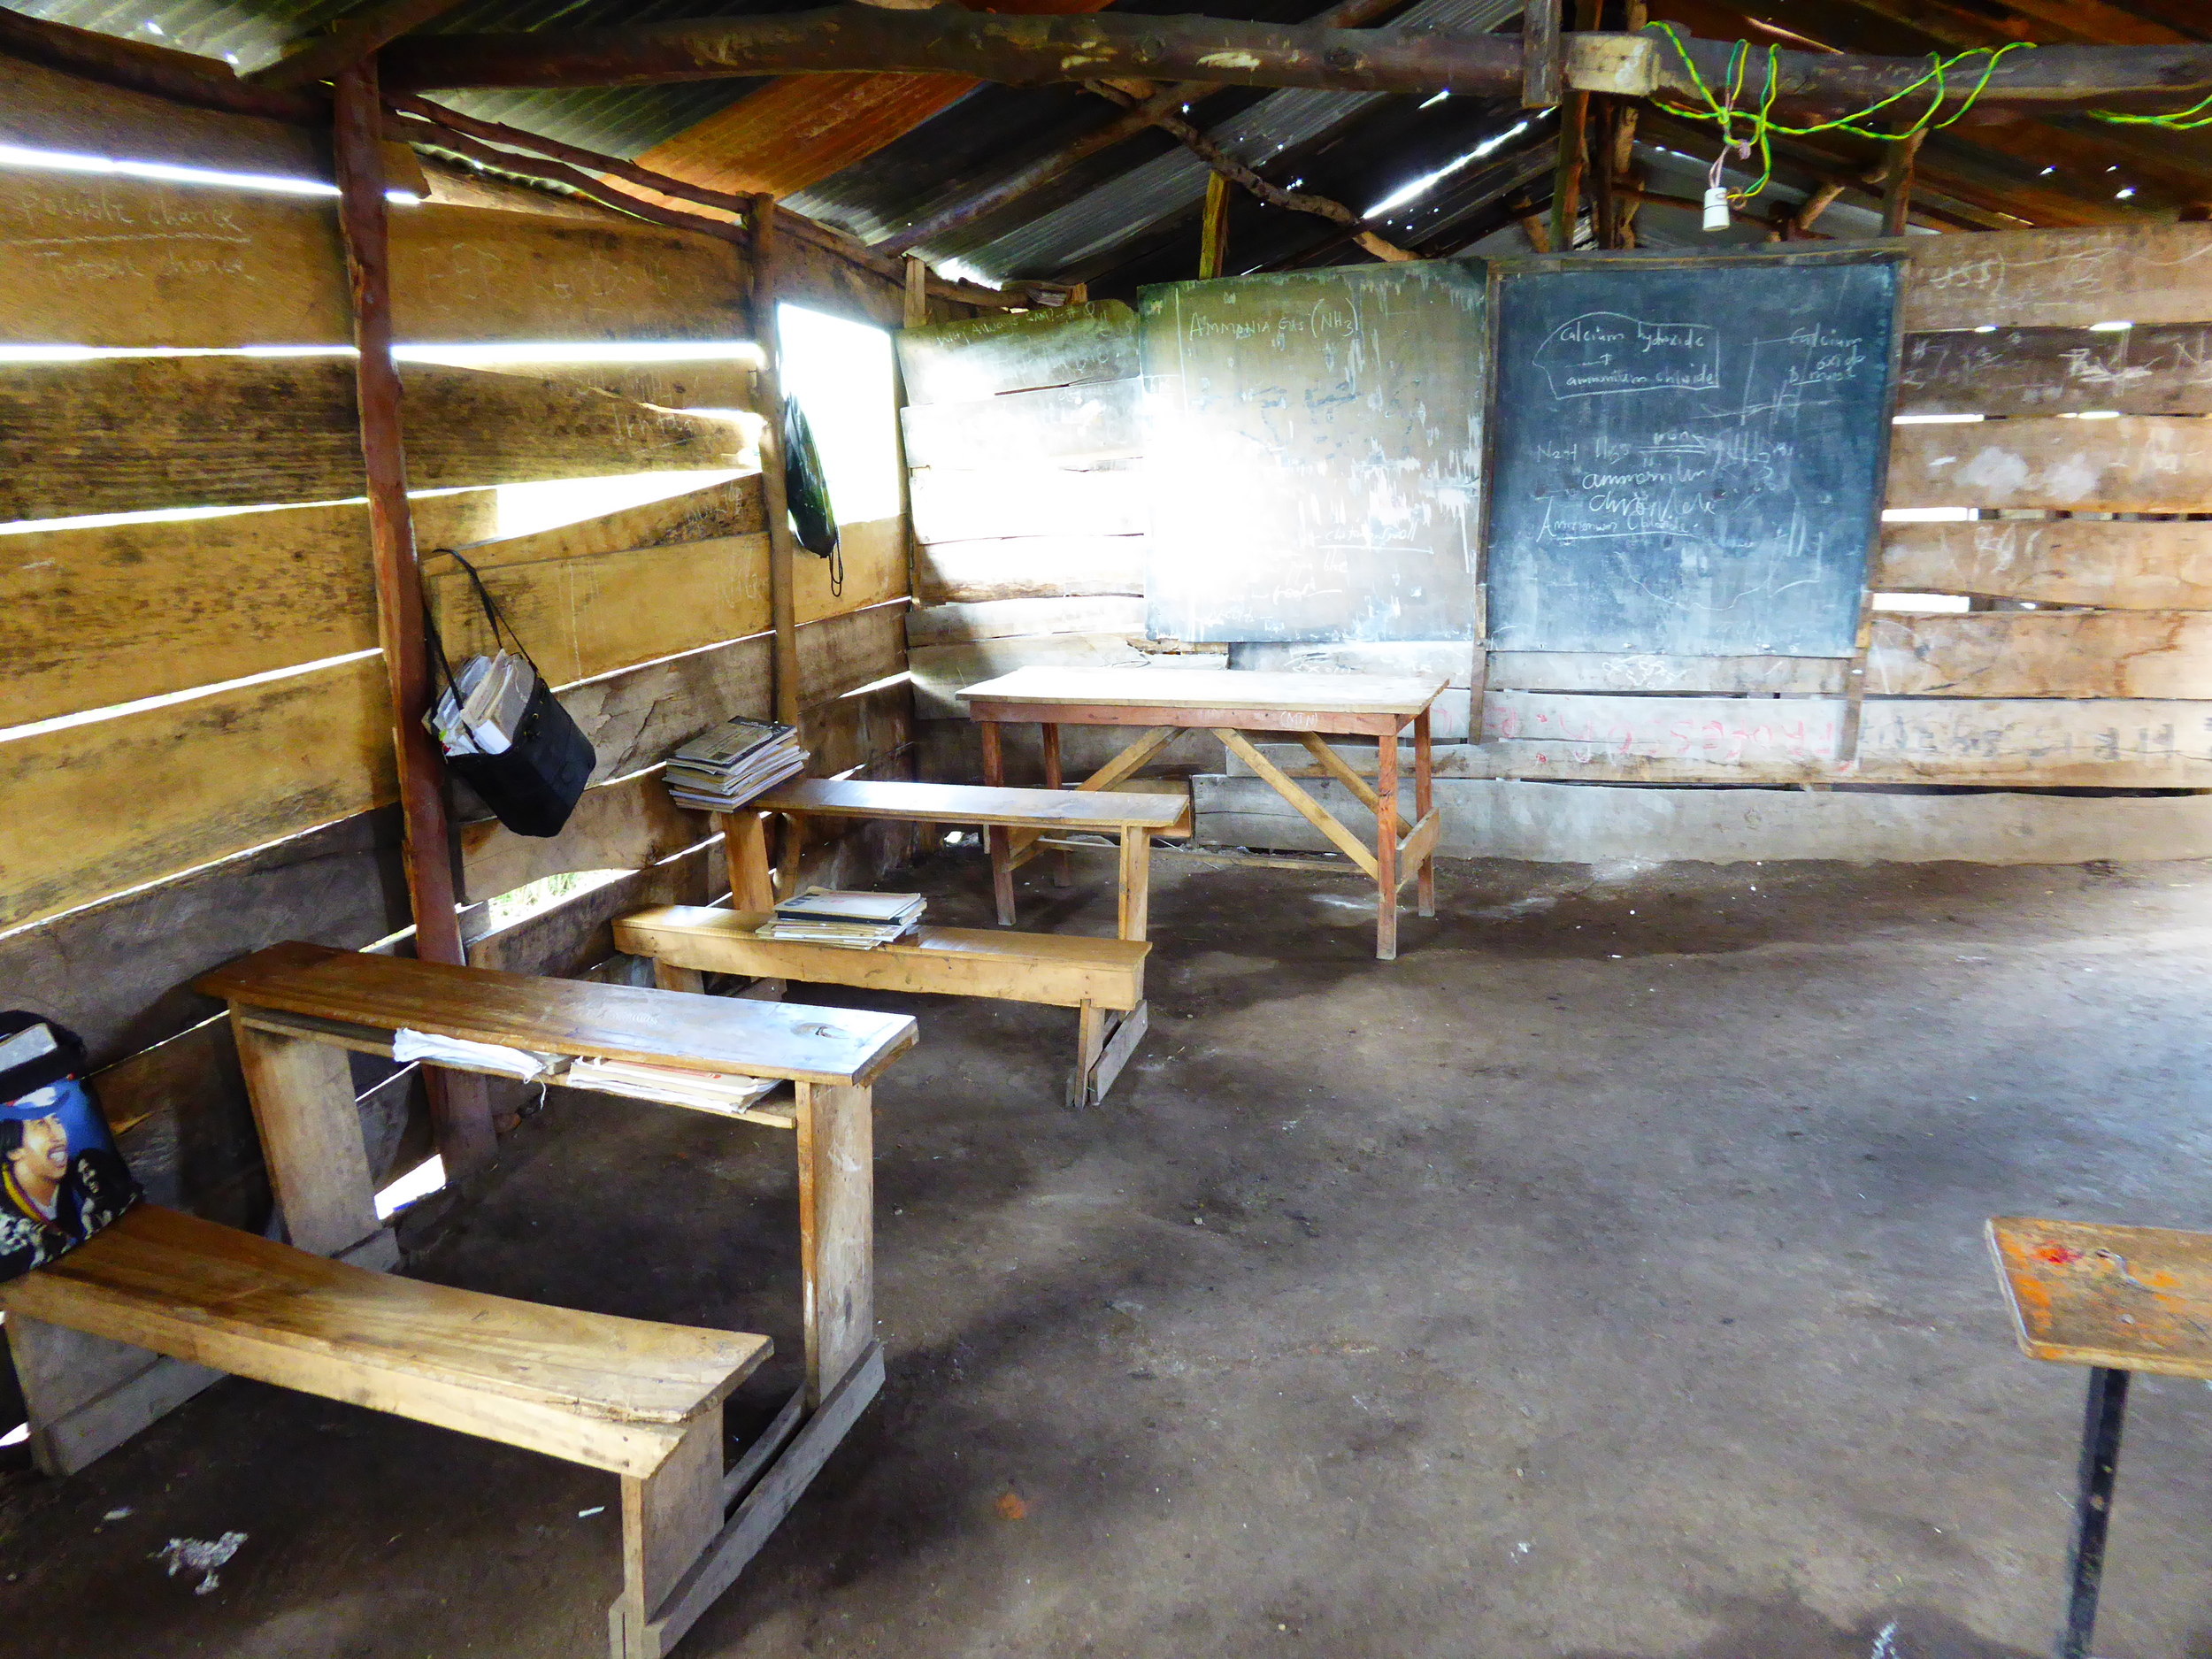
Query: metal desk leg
{"points": [[2092, 1508]]}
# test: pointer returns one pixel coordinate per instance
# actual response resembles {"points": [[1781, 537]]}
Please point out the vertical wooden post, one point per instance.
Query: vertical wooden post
{"points": [[782, 603], [1213, 228], [1617, 158], [460, 1111], [1574, 147], [1897, 183], [1387, 845], [917, 312], [836, 1140], [1540, 54]]}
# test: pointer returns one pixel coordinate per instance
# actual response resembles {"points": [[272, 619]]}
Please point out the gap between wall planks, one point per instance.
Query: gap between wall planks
{"points": [[129, 263], [118, 973], [93, 618], [238, 768], [142, 434]]}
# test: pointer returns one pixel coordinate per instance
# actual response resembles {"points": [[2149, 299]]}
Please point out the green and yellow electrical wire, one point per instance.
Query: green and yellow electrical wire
{"points": [[1758, 126]]}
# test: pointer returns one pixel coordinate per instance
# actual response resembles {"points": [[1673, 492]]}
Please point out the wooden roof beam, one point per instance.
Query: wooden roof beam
{"points": [[1038, 50], [351, 38]]}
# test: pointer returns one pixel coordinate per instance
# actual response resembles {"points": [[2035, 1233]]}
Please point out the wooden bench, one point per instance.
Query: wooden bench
{"points": [[2118, 1299], [1013, 820], [636, 1397], [1101, 979], [639, 1399]]}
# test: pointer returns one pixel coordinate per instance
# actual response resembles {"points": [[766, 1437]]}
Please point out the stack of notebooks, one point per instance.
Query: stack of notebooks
{"points": [[481, 710], [672, 1086], [728, 766], [855, 921]]}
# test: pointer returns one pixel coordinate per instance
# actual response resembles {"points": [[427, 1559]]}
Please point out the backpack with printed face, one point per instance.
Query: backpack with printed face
{"points": [[61, 1178]]}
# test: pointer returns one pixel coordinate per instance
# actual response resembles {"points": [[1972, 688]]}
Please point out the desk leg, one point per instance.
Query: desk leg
{"points": [[1063, 864], [669, 1518], [1136, 880], [1386, 846], [745, 848], [997, 839], [836, 1229], [2101, 1422], [793, 850], [1424, 802], [302, 1092]]}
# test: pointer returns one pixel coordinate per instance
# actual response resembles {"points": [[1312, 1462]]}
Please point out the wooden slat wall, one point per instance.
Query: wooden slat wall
{"points": [[2105, 680], [1029, 516], [236, 815]]}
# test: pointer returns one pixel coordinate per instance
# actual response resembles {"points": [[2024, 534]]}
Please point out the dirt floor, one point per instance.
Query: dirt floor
{"points": [[1603, 1277]]}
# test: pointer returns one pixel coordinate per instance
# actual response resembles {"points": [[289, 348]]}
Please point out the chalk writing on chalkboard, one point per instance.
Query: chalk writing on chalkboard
{"points": [[1687, 460]]}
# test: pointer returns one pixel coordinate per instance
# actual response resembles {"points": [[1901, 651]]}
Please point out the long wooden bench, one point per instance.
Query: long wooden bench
{"points": [[1012, 819], [640, 1399], [1103, 980]]}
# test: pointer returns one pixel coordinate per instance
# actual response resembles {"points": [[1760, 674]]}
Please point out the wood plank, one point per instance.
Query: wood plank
{"points": [[2048, 743], [626, 824], [973, 803], [941, 673], [1210, 688], [578, 933], [731, 507], [2152, 370], [589, 614], [46, 109], [1030, 568], [129, 263], [954, 363], [96, 616], [1451, 661], [1018, 619], [2092, 1293], [1591, 671], [721, 382], [84, 1396], [595, 1388], [120, 973], [1570, 822], [1063, 425], [836, 1158], [310, 1135], [610, 1022], [1304, 805], [763, 1507], [230, 771], [2137, 566], [1057, 970], [139, 435], [2131, 464], [860, 728], [1108, 498], [2042, 654], [2051, 279], [668, 1519]]}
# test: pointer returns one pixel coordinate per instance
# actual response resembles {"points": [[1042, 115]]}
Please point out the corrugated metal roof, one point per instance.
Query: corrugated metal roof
{"points": [[1132, 203]]}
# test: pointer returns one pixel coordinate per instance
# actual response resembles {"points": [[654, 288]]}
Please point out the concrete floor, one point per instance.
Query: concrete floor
{"points": [[1602, 1279]]}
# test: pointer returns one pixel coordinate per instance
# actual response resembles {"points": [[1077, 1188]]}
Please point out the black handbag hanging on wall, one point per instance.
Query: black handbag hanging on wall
{"points": [[533, 784]]}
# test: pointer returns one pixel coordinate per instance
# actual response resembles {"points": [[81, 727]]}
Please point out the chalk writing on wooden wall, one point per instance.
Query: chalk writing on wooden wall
{"points": [[1688, 458], [1313, 443]]}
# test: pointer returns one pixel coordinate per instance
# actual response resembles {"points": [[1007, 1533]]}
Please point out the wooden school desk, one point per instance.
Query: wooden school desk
{"points": [[1230, 702]]}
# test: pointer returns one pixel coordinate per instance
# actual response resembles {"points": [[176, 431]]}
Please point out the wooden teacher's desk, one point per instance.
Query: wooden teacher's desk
{"points": [[1230, 702]]}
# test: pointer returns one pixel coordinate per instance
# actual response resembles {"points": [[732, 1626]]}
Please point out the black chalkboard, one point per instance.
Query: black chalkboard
{"points": [[1687, 456]]}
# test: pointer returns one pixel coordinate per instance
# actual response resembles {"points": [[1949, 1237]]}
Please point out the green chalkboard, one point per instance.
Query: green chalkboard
{"points": [[1688, 457]]}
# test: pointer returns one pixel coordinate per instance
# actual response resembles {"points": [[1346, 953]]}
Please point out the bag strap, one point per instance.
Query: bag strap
{"points": [[492, 612]]}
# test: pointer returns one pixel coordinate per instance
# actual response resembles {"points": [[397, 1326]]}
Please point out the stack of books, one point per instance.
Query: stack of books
{"points": [[729, 765], [723, 1091], [481, 710], [853, 921]]}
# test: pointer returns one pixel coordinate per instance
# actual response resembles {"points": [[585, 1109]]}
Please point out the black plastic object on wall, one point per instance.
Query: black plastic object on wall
{"points": [[1687, 454], [806, 487], [533, 784]]}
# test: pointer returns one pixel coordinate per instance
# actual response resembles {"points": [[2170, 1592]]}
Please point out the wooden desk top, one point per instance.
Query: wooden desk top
{"points": [[1210, 688], [572, 1017], [977, 804], [2128, 1298]]}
